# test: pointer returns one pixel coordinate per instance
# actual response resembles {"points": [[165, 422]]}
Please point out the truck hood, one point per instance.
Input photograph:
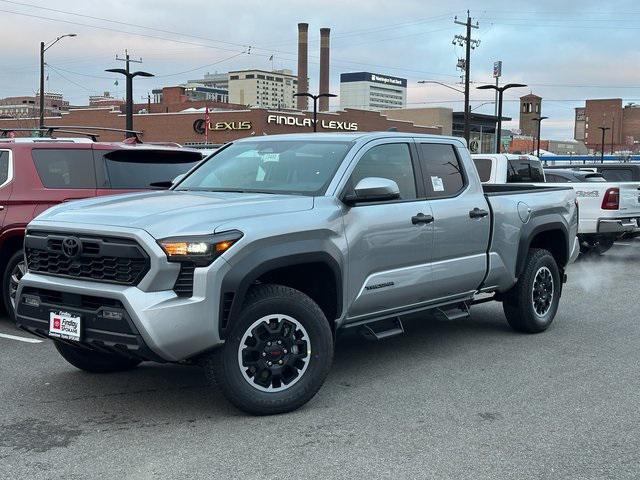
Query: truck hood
{"points": [[168, 213]]}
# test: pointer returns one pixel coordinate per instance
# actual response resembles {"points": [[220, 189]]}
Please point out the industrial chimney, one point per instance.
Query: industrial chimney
{"points": [[303, 75], [324, 69]]}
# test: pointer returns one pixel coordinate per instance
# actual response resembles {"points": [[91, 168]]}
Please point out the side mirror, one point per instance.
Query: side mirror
{"points": [[177, 179], [373, 189]]}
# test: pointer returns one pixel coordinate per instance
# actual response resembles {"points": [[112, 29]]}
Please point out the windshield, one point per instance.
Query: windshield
{"points": [[291, 167]]}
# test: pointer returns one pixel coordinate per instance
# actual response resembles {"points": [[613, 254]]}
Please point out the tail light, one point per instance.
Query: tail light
{"points": [[611, 199]]}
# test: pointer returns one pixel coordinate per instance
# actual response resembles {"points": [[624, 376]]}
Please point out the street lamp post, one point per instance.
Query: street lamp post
{"points": [[44, 48], [315, 104], [129, 76], [500, 91], [539, 120], [604, 129]]}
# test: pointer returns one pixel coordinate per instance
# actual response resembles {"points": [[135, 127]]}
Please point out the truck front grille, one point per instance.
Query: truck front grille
{"points": [[111, 260]]}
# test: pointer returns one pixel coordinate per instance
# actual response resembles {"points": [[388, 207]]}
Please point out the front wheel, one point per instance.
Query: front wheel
{"points": [[95, 362], [531, 304], [277, 355], [14, 271]]}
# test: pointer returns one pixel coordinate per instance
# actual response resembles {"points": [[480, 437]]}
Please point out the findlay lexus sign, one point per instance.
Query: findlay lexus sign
{"points": [[295, 121], [289, 120]]}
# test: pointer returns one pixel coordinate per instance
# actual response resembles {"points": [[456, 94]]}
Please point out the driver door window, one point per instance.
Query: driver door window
{"points": [[391, 161]]}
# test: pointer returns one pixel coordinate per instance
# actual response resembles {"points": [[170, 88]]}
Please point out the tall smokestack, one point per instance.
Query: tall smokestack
{"points": [[303, 75], [323, 102]]}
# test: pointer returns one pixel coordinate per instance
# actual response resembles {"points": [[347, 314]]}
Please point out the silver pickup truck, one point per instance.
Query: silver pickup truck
{"points": [[254, 261]]}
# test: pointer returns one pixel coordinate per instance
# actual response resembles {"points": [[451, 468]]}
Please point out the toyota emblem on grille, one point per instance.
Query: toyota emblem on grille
{"points": [[71, 247]]}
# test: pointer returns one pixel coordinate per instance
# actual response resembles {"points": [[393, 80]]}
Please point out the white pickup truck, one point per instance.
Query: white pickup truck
{"points": [[608, 210]]}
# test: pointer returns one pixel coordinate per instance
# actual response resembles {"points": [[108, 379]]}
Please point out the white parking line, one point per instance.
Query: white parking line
{"points": [[20, 339]]}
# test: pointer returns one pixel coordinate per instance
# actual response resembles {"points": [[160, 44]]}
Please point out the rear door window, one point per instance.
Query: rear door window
{"points": [[65, 168], [4, 166], [483, 165], [524, 171], [138, 169], [441, 169]]}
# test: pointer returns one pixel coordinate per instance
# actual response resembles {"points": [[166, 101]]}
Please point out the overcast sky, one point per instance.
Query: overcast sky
{"points": [[565, 51]]}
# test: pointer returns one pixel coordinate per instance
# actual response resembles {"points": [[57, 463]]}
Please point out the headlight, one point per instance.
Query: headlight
{"points": [[201, 250]]}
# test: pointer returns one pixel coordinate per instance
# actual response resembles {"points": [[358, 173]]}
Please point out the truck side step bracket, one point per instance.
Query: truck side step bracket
{"points": [[454, 313], [382, 329]]}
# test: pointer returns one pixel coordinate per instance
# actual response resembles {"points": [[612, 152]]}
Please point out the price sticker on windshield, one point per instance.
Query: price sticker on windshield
{"points": [[437, 184]]}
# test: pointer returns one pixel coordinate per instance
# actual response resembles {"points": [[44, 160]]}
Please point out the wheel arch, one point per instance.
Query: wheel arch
{"points": [[550, 235], [303, 270]]}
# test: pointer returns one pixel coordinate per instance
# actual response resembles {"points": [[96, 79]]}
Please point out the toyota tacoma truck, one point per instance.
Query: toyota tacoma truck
{"points": [[608, 210], [252, 263]]}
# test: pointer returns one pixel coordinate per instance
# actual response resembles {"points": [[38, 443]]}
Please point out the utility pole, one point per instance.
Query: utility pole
{"points": [[129, 77], [613, 124], [44, 48], [469, 44], [604, 129]]}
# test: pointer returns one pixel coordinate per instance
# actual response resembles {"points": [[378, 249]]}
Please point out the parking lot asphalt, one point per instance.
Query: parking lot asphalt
{"points": [[459, 399]]}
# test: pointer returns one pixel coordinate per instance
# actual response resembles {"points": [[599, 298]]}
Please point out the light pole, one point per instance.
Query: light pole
{"points": [[604, 129], [44, 48], [442, 84], [315, 104], [500, 91], [539, 120], [129, 76]]}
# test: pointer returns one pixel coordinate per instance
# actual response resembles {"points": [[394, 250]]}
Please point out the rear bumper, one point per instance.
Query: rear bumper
{"points": [[575, 250], [618, 225]]}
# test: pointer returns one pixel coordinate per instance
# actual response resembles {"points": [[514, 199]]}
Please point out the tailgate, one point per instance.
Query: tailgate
{"points": [[629, 197]]}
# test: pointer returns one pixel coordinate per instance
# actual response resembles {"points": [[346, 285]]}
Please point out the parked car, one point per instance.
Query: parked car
{"points": [[612, 172], [572, 176], [252, 263], [608, 210], [37, 173]]}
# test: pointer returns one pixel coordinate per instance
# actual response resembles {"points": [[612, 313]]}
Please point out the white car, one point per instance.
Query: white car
{"points": [[608, 210]]}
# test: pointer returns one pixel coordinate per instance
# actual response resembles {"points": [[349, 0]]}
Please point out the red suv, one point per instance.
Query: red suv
{"points": [[37, 173]]}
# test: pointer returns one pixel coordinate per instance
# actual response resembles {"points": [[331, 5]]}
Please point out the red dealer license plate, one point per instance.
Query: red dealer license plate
{"points": [[64, 325]]}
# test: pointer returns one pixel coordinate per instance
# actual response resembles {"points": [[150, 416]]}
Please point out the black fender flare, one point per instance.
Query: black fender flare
{"points": [[531, 229], [245, 272]]}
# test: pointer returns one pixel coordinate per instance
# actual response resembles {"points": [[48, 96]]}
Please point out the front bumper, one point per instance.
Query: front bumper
{"points": [[157, 324]]}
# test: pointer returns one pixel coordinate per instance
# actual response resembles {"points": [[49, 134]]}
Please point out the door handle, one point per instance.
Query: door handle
{"points": [[478, 213], [421, 218]]}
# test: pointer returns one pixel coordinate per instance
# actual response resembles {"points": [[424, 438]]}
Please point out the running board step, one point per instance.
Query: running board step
{"points": [[455, 313], [382, 329]]}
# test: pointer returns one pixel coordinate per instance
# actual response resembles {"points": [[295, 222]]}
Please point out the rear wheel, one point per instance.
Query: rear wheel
{"points": [[596, 245], [14, 271], [95, 362], [531, 305], [277, 355]]}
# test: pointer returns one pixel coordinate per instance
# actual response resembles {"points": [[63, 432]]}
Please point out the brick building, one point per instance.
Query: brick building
{"points": [[29, 106], [622, 123], [224, 126], [530, 108]]}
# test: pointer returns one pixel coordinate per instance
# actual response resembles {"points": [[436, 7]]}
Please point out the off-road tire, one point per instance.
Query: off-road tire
{"points": [[518, 303], [95, 362], [9, 268], [223, 367]]}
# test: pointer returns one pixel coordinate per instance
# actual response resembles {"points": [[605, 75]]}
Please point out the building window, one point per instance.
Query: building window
{"points": [[269, 78], [260, 76], [250, 75], [234, 77]]}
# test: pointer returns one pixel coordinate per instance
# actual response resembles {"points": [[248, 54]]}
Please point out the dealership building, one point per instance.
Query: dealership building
{"points": [[372, 91], [189, 127]]}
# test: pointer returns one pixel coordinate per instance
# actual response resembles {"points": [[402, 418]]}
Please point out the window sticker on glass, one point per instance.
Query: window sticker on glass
{"points": [[270, 157], [437, 184]]}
